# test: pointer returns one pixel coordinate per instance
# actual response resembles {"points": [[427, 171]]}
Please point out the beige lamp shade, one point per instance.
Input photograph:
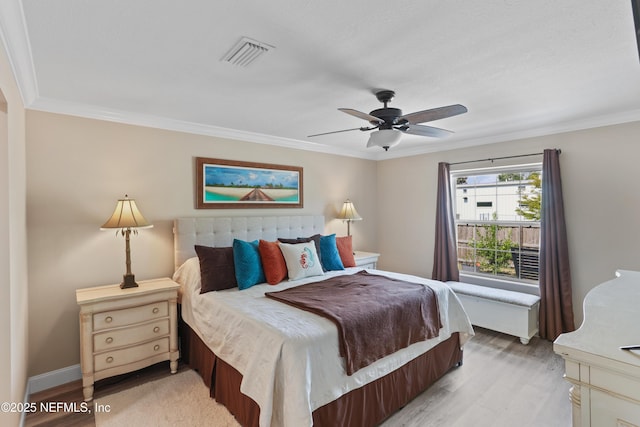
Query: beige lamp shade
{"points": [[126, 215], [349, 212]]}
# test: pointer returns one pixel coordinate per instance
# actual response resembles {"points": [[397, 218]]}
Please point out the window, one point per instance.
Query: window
{"points": [[497, 213]]}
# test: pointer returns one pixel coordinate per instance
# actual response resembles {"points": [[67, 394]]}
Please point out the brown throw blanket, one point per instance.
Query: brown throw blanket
{"points": [[375, 315]]}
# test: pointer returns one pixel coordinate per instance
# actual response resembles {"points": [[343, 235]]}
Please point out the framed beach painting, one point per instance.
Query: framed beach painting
{"points": [[231, 184]]}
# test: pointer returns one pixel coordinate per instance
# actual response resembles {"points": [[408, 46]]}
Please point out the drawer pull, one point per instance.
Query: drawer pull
{"points": [[156, 329], [156, 347], [109, 359], [109, 340], [155, 310], [108, 319]]}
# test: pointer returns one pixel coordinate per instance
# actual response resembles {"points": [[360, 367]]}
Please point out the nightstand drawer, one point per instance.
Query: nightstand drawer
{"points": [[132, 335], [125, 356], [129, 316]]}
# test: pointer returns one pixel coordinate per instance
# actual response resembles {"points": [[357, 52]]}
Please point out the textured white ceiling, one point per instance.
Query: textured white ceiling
{"points": [[521, 67]]}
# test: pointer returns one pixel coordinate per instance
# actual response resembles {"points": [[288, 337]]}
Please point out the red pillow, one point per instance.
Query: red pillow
{"points": [[273, 264], [345, 249]]}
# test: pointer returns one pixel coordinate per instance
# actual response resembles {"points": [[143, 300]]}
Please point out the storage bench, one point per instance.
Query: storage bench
{"points": [[509, 312]]}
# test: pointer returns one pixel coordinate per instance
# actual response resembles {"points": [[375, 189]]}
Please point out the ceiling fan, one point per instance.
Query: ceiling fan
{"points": [[389, 123]]}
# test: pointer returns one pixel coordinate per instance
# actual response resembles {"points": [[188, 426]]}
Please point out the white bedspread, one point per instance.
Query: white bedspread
{"points": [[289, 357]]}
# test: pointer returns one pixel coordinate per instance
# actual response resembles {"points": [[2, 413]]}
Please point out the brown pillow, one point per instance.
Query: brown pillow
{"points": [[273, 263], [291, 241], [345, 249], [217, 270]]}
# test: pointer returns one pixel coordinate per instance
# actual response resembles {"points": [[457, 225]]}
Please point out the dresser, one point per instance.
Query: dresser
{"points": [[605, 379], [366, 259], [122, 330]]}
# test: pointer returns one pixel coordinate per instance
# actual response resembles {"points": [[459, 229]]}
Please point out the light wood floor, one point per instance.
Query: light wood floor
{"points": [[501, 384]]}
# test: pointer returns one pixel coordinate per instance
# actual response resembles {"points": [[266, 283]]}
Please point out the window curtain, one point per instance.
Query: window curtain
{"points": [[445, 257], [556, 307]]}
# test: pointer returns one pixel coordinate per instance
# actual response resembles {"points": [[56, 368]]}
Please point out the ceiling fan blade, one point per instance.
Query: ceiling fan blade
{"points": [[338, 131], [433, 114], [361, 115], [425, 131]]}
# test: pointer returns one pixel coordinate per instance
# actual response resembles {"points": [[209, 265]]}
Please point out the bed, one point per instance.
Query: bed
{"points": [[272, 364]]}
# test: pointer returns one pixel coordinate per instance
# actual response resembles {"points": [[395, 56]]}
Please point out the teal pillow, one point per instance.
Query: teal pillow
{"points": [[248, 267], [329, 255]]}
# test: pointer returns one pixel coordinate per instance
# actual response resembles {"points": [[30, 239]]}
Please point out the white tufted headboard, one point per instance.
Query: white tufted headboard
{"points": [[220, 231]]}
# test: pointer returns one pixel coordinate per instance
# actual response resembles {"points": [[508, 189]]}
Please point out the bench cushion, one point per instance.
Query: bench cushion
{"points": [[501, 295]]}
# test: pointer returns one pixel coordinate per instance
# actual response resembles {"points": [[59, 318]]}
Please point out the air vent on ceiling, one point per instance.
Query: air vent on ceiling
{"points": [[245, 52]]}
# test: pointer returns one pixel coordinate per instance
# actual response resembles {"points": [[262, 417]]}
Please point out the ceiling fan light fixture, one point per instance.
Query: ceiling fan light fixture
{"points": [[385, 138], [391, 123]]}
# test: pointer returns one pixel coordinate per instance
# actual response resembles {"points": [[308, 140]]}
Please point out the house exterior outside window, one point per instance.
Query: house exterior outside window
{"points": [[497, 213]]}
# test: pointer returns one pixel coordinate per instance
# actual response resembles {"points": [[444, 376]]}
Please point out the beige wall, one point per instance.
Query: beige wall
{"points": [[599, 186], [13, 255], [78, 168]]}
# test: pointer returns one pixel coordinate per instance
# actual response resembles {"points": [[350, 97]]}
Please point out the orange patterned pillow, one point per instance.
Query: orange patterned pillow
{"points": [[273, 264], [345, 249]]}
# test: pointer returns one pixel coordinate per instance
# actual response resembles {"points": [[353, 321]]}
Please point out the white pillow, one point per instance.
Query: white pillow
{"points": [[188, 276], [302, 260]]}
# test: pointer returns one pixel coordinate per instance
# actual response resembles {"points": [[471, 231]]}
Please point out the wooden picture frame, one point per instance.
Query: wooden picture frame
{"points": [[232, 184]]}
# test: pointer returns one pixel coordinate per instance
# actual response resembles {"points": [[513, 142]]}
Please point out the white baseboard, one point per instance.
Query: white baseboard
{"points": [[53, 379]]}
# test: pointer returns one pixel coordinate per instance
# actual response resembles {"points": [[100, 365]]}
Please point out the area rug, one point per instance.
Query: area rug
{"points": [[178, 400]]}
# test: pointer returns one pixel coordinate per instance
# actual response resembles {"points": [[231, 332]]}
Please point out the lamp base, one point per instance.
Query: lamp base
{"points": [[128, 281]]}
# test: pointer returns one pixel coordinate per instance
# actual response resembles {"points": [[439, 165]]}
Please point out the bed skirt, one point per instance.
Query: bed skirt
{"points": [[366, 406]]}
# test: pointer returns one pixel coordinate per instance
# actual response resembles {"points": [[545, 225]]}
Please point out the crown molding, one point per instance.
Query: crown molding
{"points": [[139, 119], [569, 126], [113, 115], [13, 31]]}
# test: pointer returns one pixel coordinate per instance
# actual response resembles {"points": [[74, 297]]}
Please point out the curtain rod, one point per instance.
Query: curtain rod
{"points": [[502, 158]]}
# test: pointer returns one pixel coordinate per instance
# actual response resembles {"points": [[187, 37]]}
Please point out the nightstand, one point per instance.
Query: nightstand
{"points": [[366, 259], [123, 330]]}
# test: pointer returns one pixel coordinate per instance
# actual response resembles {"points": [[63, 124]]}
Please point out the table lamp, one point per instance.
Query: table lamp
{"points": [[127, 218], [349, 213]]}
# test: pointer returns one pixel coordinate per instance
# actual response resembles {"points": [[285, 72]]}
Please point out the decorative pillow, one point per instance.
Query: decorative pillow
{"points": [[292, 241], [248, 266], [315, 239], [301, 259], [273, 264], [217, 271], [345, 249], [329, 254], [188, 277]]}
